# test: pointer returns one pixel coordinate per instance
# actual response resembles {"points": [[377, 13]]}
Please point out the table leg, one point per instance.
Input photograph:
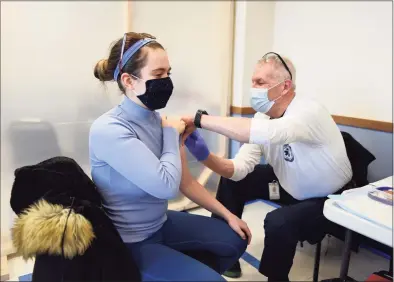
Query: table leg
{"points": [[317, 263], [346, 256]]}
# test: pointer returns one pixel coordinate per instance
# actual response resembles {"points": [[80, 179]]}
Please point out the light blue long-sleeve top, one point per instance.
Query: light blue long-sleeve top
{"points": [[136, 165]]}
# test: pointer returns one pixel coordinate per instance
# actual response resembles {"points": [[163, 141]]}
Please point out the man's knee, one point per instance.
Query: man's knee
{"points": [[279, 228]]}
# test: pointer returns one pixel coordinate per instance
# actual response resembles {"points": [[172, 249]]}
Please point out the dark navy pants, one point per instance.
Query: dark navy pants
{"points": [[284, 227], [188, 248]]}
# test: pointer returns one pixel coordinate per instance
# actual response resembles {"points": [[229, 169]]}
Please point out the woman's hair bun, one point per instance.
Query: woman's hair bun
{"points": [[101, 71]]}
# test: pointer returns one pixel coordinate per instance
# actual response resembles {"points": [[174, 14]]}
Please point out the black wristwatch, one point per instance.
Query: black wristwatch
{"points": [[197, 118]]}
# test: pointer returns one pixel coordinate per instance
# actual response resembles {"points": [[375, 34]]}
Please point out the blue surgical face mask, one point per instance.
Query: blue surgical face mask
{"points": [[259, 99]]}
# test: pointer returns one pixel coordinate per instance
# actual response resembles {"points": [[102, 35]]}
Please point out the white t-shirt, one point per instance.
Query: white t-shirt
{"points": [[305, 148]]}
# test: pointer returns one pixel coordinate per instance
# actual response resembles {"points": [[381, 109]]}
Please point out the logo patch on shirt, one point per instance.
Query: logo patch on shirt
{"points": [[288, 153]]}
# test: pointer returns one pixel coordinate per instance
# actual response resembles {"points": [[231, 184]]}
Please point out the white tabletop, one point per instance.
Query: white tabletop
{"points": [[355, 223]]}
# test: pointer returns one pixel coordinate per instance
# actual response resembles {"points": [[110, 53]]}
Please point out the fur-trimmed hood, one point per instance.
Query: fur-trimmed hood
{"points": [[57, 193], [39, 230]]}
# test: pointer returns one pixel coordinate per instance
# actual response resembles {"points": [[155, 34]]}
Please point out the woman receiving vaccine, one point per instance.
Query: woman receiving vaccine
{"points": [[138, 163]]}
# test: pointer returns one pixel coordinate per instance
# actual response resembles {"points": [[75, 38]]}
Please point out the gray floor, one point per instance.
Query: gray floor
{"points": [[362, 263]]}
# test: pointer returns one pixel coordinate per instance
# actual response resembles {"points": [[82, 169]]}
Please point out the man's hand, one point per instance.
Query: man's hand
{"points": [[197, 146], [190, 127], [174, 122], [240, 226]]}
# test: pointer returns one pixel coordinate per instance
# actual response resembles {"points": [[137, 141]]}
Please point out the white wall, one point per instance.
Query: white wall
{"points": [[48, 51], [342, 52], [254, 37]]}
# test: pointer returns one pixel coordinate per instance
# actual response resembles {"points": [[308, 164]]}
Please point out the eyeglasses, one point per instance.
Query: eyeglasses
{"points": [[121, 52], [283, 62], [143, 36]]}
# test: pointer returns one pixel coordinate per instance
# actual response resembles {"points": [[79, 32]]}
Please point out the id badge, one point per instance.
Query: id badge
{"points": [[273, 188]]}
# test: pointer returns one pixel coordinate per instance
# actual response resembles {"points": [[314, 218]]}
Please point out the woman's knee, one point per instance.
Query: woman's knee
{"points": [[231, 245], [240, 244]]}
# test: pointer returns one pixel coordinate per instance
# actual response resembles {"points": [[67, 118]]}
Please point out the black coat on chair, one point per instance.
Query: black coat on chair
{"points": [[61, 223]]}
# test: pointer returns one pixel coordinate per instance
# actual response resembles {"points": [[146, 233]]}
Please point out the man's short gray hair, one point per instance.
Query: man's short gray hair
{"points": [[281, 72]]}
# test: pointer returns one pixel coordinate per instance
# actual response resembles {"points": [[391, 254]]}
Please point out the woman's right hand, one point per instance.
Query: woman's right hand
{"points": [[174, 122], [240, 226]]}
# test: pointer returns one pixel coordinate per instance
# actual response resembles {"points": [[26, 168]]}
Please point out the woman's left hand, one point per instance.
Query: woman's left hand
{"points": [[240, 226]]}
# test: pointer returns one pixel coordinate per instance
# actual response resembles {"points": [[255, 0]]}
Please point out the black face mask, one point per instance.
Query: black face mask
{"points": [[158, 92]]}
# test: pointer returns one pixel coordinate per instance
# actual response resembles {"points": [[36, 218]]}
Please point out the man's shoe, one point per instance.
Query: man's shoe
{"points": [[234, 271]]}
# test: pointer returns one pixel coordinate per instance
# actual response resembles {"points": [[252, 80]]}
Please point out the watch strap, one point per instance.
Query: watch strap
{"points": [[197, 118]]}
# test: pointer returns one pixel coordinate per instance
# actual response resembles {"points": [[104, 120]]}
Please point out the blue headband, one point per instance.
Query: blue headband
{"points": [[129, 53]]}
